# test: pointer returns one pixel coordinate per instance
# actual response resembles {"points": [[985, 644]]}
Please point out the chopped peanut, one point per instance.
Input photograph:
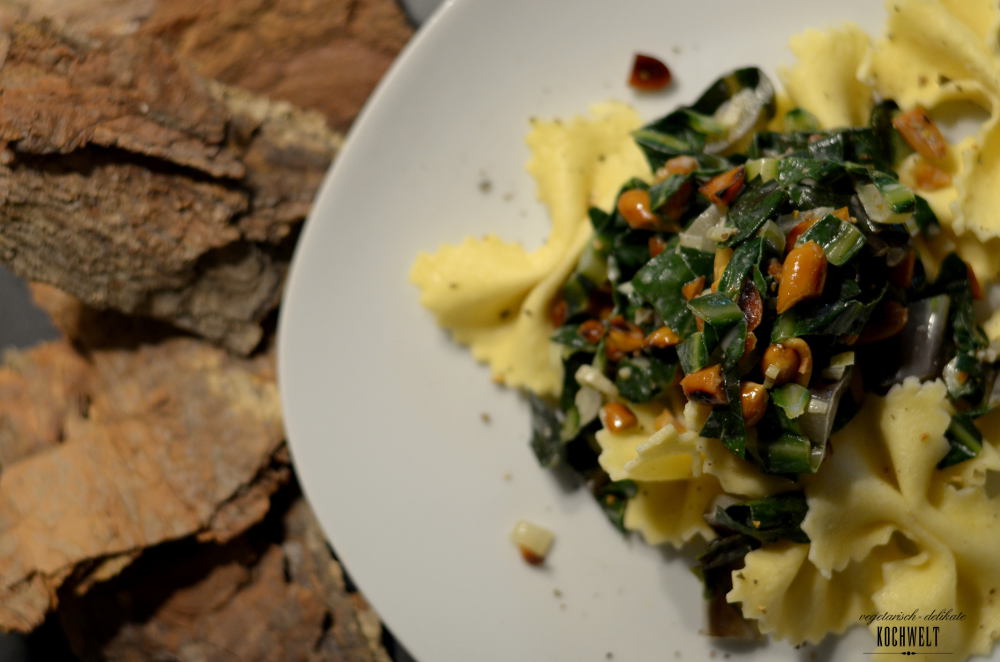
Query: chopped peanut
{"points": [[617, 417], [901, 275], [805, 368], [676, 205], [662, 337], [705, 385], [622, 338], [723, 189], [929, 177], [693, 288], [633, 205], [843, 214], [533, 541], [888, 320], [592, 331], [753, 400], [797, 231], [921, 133], [656, 245], [787, 361], [723, 255], [803, 275], [665, 418], [679, 165], [974, 286], [752, 305], [558, 312], [779, 364]]}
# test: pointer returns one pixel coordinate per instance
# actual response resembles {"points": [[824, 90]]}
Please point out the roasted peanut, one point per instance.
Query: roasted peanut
{"points": [[723, 255], [803, 275], [693, 288], [844, 214], [779, 364], [662, 337], [617, 417], [790, 360], [901, 275], [975, 288], [633, 205], [558, 312], [679, 165], [796, 232], [665, 418], [623, 337], [921, 133], [805, 369], [929, 177], [656, 245], [592, 331], [888, 320], [723, 189], [752, 305], [753, 401], [705, 385]]}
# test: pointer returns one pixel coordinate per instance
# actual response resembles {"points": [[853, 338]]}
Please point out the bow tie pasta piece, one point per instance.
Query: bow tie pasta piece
{"points": [[493, 295], [879, 512], [792, 600], [645, 453], [933, 53], [736, 475], [824, 77], [672, 511], [672, 496]]}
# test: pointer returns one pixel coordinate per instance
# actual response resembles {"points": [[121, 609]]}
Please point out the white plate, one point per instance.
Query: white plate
{"points": [[384, 412]]}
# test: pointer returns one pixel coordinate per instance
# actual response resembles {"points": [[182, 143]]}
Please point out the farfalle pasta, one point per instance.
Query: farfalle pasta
{"points": [[887, 534], [754, 325]]}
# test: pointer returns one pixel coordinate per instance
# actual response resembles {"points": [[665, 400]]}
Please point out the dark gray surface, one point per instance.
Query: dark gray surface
{"points": [[23, 326], [23, 323]]}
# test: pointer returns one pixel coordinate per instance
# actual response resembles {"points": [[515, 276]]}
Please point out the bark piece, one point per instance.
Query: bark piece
{"points": [[179, 439], [133, 183], [287, 49], [274, 593], [39, 390]]}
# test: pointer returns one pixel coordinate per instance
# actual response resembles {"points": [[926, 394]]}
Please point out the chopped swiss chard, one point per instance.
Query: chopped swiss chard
{"points": [[640, 379], [840, 240], [715, 308], [546, 432], [759, 202], [660, 281], [613, 498], [964, 439], [767, 520]]}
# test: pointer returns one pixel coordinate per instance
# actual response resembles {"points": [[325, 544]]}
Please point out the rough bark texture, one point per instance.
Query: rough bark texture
{"points": [[321, 55], [172, 440], [133, 183], [135, 459], [274, 593]]}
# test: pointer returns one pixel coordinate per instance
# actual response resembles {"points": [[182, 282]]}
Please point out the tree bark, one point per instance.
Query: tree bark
{"points": [[133, 183]]}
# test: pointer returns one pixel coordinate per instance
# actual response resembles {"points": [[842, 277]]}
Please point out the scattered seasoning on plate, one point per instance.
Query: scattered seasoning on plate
{"points": [[649, 74]]}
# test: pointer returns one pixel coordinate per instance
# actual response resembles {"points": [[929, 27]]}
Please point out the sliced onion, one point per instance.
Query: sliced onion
{"points": [[588, 404], [587, 375]]}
